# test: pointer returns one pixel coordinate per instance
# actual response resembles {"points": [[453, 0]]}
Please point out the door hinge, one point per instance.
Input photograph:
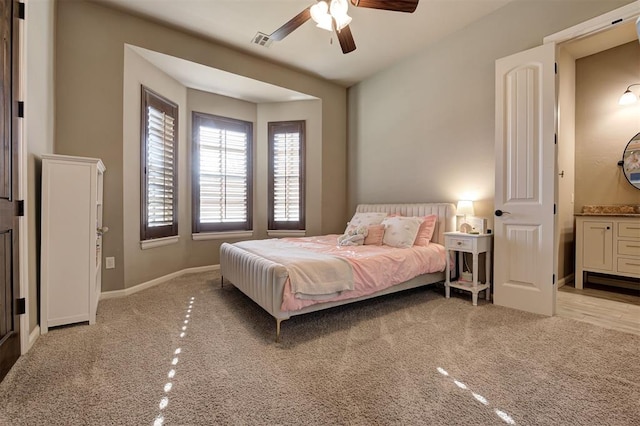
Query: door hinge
{"points": [[21, 10], [555, 138], [19, 207], [21, 109], [554, 208], [21, 306], [554, 278], [555, 67]]}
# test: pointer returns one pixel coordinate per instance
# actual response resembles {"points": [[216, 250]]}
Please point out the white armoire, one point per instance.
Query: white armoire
{"points": [[71, 239]]}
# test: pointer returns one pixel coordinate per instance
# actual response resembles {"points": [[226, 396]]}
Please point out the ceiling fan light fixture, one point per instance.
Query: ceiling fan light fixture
{"points": [[342, 22], [338, 10], [320, 15], [324, 15], [325, 23]]}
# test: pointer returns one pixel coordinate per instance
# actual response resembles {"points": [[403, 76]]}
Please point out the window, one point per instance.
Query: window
{"points": [[286, 175], [159, 197], [222, 178]]}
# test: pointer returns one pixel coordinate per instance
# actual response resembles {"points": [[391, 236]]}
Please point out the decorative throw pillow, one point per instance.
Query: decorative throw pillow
{"points": [[400, 231], [353, 237], [425, 232], [375, 235], [365, 219]]}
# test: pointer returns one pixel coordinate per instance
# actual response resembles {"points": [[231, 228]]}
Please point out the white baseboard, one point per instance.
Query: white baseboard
{"points": [[569, 278], [156, 281]]}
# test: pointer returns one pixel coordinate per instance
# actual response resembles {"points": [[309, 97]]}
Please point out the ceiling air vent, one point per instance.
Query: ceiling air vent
{"points": [[262, 39]]}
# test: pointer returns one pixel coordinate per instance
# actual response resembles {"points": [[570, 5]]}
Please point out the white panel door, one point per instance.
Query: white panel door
{"points": [[525, 253]]}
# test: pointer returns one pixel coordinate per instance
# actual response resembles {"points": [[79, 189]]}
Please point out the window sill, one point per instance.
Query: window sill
{"points": [[221, 235], [158, 242], [287, 233]]}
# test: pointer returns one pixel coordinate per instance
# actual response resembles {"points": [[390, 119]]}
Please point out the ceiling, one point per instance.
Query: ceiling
{"points": [[382, 37]]}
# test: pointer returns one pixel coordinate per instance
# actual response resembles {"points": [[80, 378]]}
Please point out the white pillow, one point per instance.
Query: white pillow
{"points": [[365, 220], [400, 231]]}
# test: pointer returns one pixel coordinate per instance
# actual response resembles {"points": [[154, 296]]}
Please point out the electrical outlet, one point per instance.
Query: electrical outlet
{"points": [[110, 262]]}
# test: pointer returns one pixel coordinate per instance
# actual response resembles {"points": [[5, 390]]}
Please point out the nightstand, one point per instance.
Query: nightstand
{"points": [[468, 243]]}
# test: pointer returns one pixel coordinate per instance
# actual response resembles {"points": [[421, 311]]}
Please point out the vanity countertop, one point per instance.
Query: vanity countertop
{"points": [[627, 210], [609, 214]]}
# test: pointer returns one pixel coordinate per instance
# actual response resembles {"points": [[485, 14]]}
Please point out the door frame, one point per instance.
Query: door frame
{"points": [[26, 340], [599, 24], [12, 341], [596, 25], [620, 16], [36, 46]]}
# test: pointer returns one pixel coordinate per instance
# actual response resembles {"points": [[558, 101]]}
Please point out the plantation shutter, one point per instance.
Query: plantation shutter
{"points": [[159, 168], [223, 182], [286, 175]]}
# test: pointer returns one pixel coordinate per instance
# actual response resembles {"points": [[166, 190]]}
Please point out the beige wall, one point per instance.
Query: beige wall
{"points": [[142, 265], [423, 130], [311, 112], [89, 82], [603, 127]]}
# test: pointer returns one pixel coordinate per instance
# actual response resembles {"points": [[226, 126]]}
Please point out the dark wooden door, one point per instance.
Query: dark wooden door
{"points": [[9, 285]]}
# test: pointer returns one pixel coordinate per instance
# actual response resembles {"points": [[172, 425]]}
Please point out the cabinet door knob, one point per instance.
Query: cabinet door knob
{"points": [[608, 227]]}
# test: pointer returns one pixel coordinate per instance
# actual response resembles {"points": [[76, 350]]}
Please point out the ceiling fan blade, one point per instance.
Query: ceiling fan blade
{"points": [[408, 6], [291, 25], [346, 40]]}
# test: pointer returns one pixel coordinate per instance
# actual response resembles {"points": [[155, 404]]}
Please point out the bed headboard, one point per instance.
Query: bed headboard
{"points": [[446, 213]]}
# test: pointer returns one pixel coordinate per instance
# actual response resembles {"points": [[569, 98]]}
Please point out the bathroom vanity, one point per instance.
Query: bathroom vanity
{"points": [[607, 242]]}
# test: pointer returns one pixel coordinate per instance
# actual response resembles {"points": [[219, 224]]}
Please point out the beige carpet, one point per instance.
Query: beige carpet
{"points": [[413, 358]]}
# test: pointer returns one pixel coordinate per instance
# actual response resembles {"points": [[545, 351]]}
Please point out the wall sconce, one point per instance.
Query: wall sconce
{"points": [[628, 97]]}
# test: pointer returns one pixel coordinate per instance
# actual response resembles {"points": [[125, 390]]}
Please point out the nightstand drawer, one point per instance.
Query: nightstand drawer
{"points": [[630, 248], [459, 243]]}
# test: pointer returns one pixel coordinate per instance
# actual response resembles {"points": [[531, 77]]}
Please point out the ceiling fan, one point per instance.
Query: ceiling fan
{"points": [[331, 15]]}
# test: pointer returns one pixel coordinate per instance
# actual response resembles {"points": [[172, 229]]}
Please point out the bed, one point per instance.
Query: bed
{"points": [[266, 280]]}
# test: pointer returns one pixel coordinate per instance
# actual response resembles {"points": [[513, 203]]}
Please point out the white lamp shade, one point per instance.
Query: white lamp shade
{"points": [[343, 21], [465, 208], [320, 14], [628, 98], [338, 7], [325, 23]]}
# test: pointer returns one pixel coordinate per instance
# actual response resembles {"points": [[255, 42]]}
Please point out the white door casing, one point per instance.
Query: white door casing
{"points": [[525, 254]]}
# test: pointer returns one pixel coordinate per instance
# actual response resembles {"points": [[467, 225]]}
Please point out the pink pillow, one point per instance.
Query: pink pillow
{"points": [[425, 233], [375, 235]]}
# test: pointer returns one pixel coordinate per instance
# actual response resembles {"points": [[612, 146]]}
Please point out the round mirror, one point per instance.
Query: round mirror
{"points": [[631, 161]]}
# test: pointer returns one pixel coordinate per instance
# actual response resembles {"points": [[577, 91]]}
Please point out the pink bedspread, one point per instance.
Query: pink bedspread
{"points": [[374, 267]]}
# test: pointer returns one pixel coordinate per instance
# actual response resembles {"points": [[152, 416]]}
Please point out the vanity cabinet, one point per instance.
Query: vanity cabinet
{"points": [[608, 245], [71, 239]]}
